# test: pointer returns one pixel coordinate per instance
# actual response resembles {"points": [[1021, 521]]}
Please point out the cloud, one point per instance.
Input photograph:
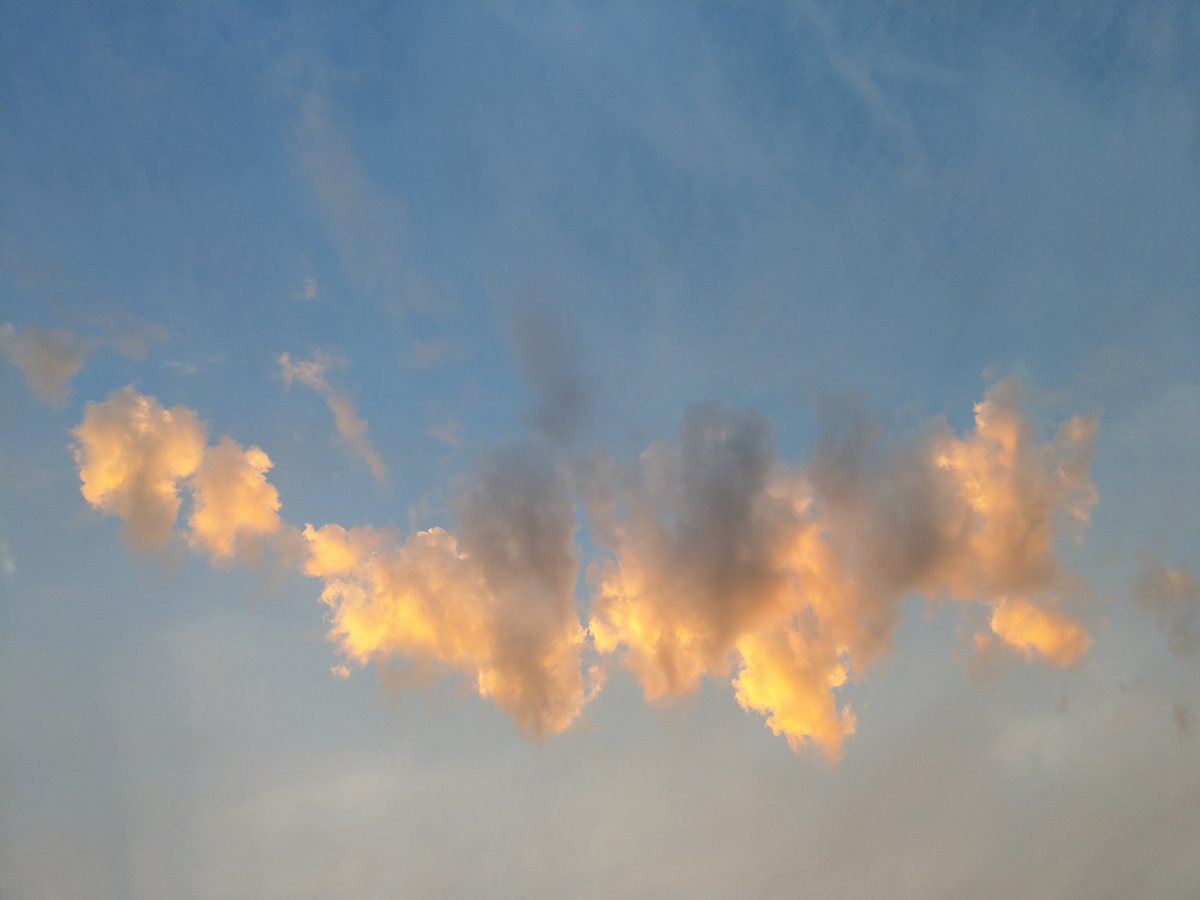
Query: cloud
{"points": [[549, 359], [48, 357], [793, 576], [350, 425], [51, 357], [494, 603], [132, 455], [722, 560], [1172, 598], [1040, 632], [233, 501]]}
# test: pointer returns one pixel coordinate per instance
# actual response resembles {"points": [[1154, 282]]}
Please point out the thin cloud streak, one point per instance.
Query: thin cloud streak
{"points": [[350, 425]]}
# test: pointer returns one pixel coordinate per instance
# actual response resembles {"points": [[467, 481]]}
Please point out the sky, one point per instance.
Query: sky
{"points": [[599, 450]]}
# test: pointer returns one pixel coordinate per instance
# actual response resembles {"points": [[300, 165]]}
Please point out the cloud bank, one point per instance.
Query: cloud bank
{"points": [[718, 558]]}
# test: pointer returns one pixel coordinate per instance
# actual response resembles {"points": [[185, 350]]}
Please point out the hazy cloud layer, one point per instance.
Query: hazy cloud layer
{"points": [[350, 425]]}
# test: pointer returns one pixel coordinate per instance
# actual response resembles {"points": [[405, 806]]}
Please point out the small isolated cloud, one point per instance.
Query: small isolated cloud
{"points": [[1172, 598], [51, 357], [350, 425]]}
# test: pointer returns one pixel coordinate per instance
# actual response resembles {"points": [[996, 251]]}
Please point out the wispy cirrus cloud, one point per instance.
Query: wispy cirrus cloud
{"points": [[350, 425]]}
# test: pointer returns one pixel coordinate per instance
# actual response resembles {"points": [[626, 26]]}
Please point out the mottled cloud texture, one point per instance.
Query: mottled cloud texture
{"points": [[720, 559], [350, 426]]}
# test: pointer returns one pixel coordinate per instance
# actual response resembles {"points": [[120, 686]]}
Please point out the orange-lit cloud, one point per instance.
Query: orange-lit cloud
{"points": [[1039, 632], [233, 503], [132, 455], [722, 560], [350, 425], [793, 577], [494, 604]]}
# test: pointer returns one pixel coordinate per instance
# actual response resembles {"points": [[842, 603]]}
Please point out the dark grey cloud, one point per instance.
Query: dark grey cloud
{"points": [[550, 354]]}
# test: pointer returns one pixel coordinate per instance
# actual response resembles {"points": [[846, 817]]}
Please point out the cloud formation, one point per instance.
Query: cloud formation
{"points": [[350, 425], [722, 559], [494, 603], [1172, 598], [233, 503], [728, 559]]}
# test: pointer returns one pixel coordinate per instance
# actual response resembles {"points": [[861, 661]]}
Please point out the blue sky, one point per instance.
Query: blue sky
{"points": [[522, 244]]}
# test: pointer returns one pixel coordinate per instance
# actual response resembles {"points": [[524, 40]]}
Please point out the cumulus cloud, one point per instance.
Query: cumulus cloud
{"points": [[233, 503], [1172, 598], [725, 558], [350, 425], [132, 454], [494, 603]]}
